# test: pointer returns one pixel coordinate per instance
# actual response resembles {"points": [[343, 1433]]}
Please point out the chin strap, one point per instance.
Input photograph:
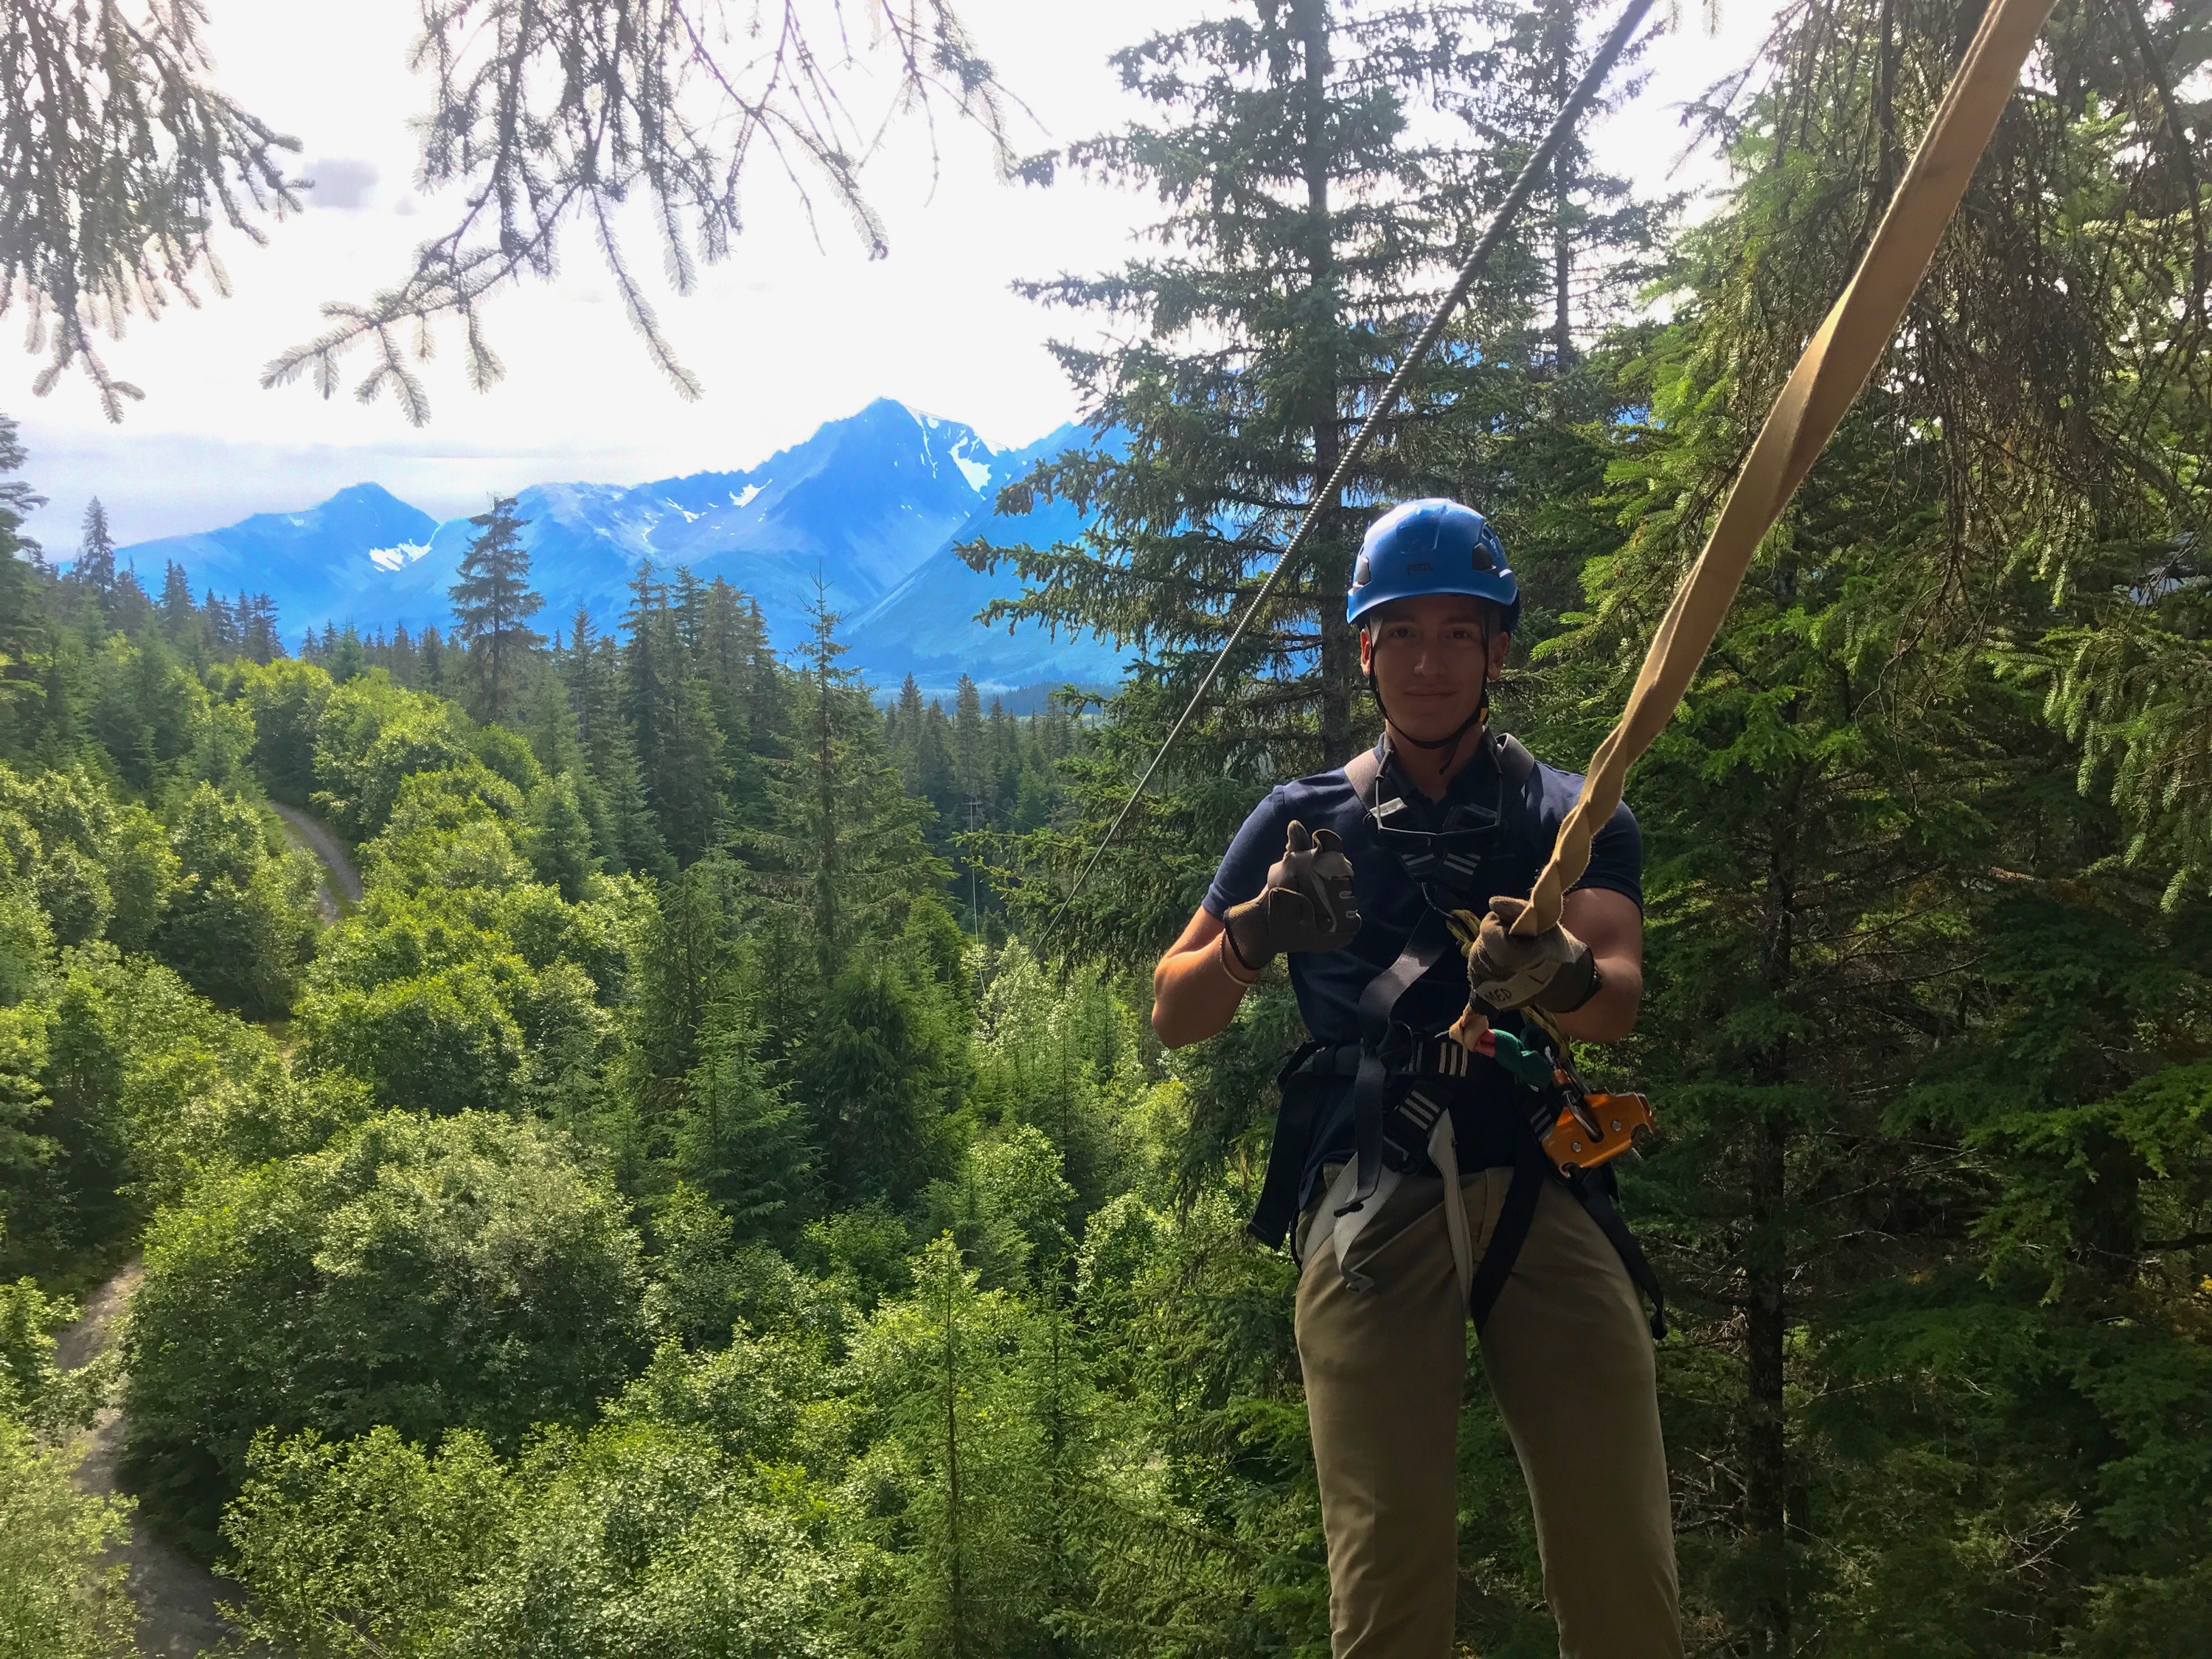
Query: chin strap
{"points": [[1452, 742]]}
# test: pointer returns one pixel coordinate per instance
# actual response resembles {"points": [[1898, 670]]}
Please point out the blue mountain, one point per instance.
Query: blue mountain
{"points": [[863, 514], [927, 625], [330, 560]]}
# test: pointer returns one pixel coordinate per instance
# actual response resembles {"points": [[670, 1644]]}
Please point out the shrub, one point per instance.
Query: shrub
{"points": [[426, 1273], [57, 1598]]}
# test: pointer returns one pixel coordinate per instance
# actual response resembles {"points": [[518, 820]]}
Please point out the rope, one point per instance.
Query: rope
{"points": [[1828, 378], [1524, 185]]}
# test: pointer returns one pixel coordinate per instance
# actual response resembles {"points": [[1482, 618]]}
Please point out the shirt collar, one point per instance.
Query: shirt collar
{"points": [[1481, 767]]}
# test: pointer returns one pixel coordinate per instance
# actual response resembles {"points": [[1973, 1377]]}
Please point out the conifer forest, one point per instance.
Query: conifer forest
{"points": [[702, 1195]]}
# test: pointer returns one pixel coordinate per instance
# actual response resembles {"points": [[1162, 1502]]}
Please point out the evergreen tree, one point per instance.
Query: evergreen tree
{"points": [[968, 743], [493, 602], [847, 848], [93, 571], [1322, 169], [221, 627], [1832, 1020], [903, 723], [349, 658], [435, 678], [180, 617], [730, 653], [678, 747], [22, 608], [132, 613], [251, 628], [559, 842]]}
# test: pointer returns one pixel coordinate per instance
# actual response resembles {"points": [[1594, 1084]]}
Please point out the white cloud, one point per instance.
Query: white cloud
{"points": [[342, 182]]}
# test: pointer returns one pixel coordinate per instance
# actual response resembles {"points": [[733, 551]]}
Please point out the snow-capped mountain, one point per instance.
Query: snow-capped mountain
{"points": [[869, 507], [927, 625]]}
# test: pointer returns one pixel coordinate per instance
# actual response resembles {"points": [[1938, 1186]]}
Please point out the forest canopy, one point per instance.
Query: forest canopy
{"points": [[684, 1205]]}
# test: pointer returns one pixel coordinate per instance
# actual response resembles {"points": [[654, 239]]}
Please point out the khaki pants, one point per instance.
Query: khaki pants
{"points": [[1570, 1362]]}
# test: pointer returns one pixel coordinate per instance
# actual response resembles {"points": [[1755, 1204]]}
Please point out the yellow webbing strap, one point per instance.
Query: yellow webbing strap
{"points": [[1820, 389]]}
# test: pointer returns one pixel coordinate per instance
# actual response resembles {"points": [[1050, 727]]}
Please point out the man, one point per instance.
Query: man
{"points": [[1418, 1191]]}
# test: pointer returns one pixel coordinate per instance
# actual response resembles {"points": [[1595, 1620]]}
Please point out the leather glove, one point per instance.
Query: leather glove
{"points": [[1552, 970], [1307, 904]]}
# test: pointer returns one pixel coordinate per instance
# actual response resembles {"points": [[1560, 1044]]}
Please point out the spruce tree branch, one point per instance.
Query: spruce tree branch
{"points": [[548, 112], [118, 160]]}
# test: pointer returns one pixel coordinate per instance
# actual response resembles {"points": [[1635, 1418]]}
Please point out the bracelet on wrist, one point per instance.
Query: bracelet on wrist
{"points": [[1230, 954]]}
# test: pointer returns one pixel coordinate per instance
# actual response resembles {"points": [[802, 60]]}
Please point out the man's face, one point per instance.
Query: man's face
{"points": [[1431, 657]]}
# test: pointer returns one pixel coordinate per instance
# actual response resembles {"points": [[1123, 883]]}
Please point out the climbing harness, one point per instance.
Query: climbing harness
{"points": [[1417, 1133]]}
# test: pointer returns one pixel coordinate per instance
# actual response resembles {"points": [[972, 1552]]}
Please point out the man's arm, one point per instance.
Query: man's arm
{"points": [[1196, 987], [1612, 926]]}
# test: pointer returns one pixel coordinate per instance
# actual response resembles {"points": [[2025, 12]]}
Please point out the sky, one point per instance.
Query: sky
{"points": [[790, 330]]}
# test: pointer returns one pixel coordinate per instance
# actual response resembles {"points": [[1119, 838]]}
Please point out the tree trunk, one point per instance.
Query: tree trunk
{"points": [[1563, 269], [1765, 1460], [957, 1588], [1331, 560], [1562, 185], [1766, 1269]]}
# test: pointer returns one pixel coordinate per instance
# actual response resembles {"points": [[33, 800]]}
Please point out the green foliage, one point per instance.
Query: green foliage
{"points": [[123, 1089], [846, 854], [32, 1389], [60, 1598], [1007, 1206], [558, 841], [28, 1149], [440, 1042], [358, 1550], [637, 1539], [238, 920], [421, 1272], [879, 1073], [371, 737], [285, 699]]}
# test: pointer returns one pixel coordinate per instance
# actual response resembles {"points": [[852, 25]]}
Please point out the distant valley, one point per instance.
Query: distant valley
{"points": [[870, 506]]}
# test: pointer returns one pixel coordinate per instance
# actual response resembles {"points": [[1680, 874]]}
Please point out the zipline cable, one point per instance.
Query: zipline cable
{"points": [[1524, 185], [1821, 389]]}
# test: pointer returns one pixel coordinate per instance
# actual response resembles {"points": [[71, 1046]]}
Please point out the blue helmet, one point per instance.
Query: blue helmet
{"points": [[1432, 546]]}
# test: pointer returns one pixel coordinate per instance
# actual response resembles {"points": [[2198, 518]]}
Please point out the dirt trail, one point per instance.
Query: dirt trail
{"points": [[174, 1595], [341, 881]]}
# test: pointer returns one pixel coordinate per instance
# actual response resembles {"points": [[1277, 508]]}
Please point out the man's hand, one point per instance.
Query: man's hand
{"points": [[1307, 905], [1552, 970]]}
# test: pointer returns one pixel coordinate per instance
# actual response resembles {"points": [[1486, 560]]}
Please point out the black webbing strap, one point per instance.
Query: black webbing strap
{"points": [[1278, 1207], [1511, 1233], [1428, 945], [1598, 1201], [1519, 1212]]}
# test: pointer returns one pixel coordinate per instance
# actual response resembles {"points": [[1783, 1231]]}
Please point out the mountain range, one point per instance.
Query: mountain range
{"points": [[870, 507]]}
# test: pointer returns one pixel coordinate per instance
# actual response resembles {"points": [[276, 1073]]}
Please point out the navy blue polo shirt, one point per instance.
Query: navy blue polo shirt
{"points": [[1328, 982]]}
